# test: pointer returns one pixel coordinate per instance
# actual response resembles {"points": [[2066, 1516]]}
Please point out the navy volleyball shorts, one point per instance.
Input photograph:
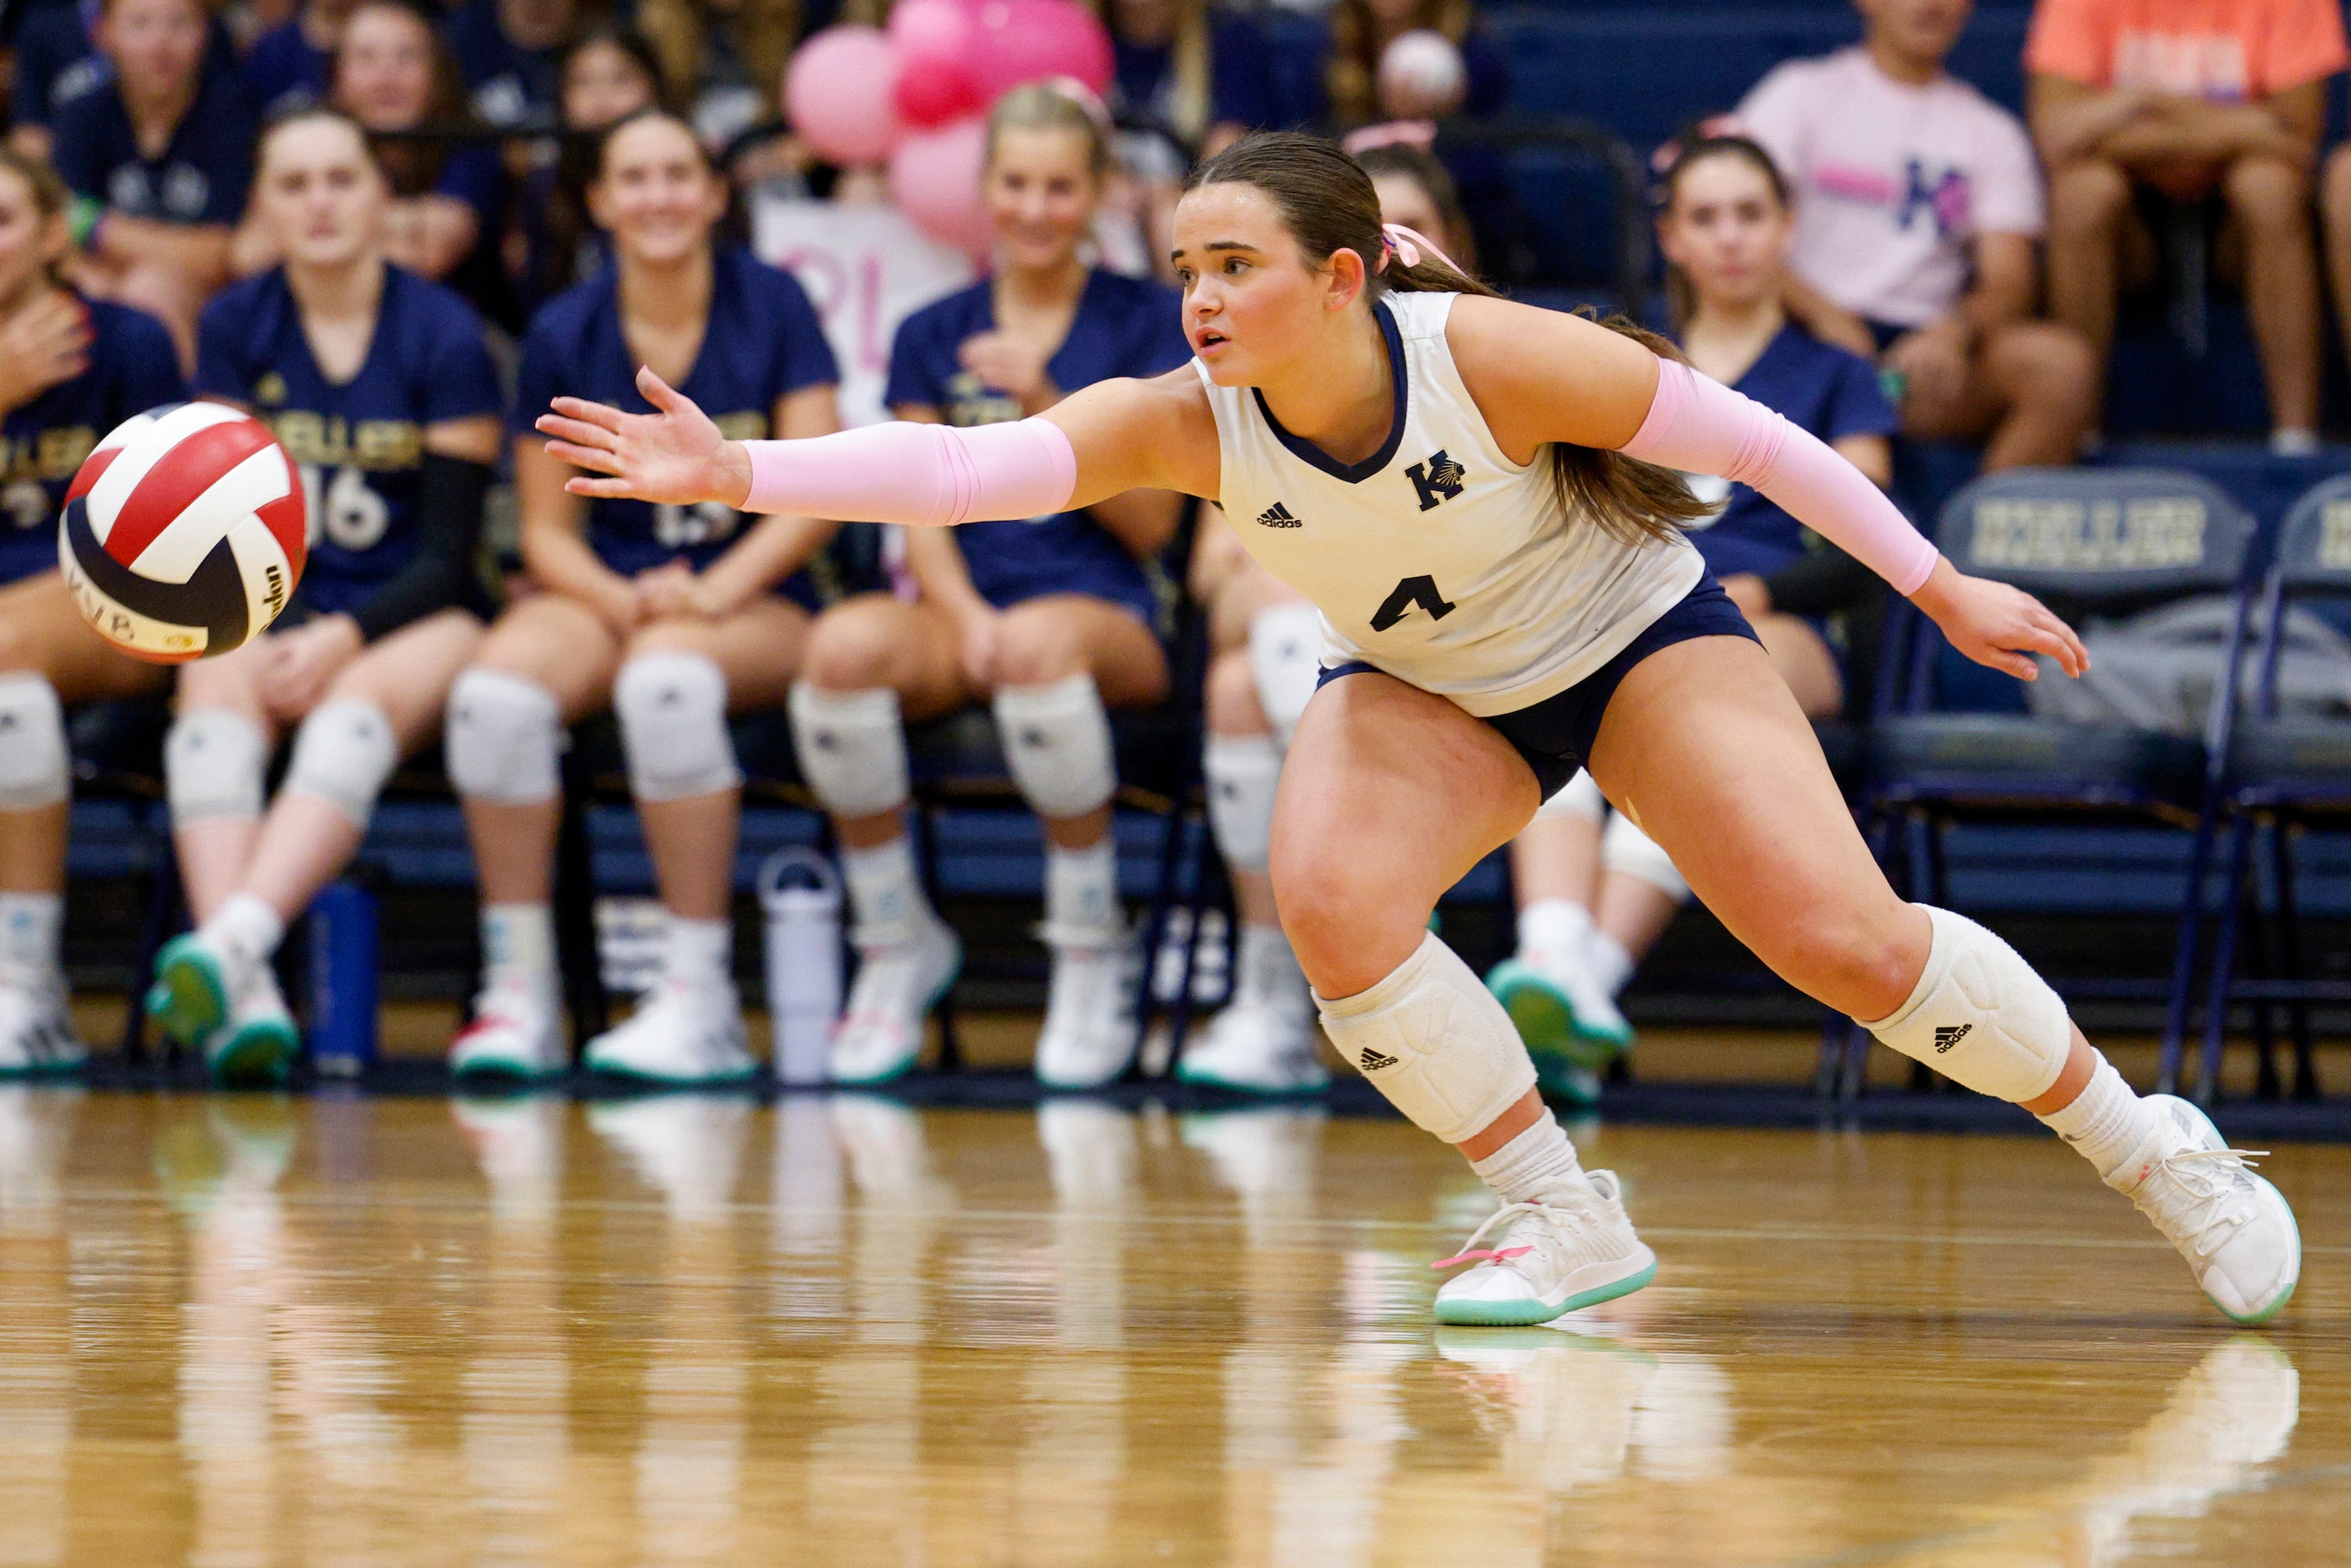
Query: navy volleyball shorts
{"points": [[1555, 735]]}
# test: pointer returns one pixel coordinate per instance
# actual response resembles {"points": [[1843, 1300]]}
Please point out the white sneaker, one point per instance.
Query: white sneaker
{"points": [[898, 983], [1561, 1012], [2235, 1229], [515, 1033], [36, 1034], [1259, 1046], [680, 1033], [254, 1046], [1560, 1257], [1090, 1029]]}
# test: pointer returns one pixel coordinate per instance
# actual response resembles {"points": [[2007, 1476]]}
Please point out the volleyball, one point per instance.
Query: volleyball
{"points": [[183, 533]]}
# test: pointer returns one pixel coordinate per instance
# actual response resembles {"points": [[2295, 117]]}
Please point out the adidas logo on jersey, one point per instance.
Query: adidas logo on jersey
{"points": [[1372, 1060], [1277, 516], [1950, 1035]]}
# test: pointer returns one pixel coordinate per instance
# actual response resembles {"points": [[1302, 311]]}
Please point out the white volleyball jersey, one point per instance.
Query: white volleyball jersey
{"points": [[1437, 559]]}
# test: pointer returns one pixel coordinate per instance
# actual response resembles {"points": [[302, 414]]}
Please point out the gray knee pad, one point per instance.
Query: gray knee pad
{"points": [[1286, 659], [1432, 1038], [213, 763], [1580, 797], [34, 768], [1625, 848], [851, 748], [342, 754], [673, 712], [1244, 773], [505, 735], [1981, 1015], [1057, 743]]}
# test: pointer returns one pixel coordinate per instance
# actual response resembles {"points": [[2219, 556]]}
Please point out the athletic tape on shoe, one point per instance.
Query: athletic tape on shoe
{"points": [[342, 754], [1580, 797], [213, 762], [851, 748], [1433, 1039], [1285, 647], [1244, 771], [1981, 1015], [505, 735], [673, 712], [1625, 848], [34, 768], [1057, 743]]}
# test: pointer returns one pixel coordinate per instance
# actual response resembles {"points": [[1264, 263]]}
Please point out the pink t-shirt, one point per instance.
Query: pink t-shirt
{"points": [[1893, 183]]}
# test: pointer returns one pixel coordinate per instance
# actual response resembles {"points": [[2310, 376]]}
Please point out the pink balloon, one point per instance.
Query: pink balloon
{"points": [[934, 42], [1018, 41], [934, 179], [838, 91]]}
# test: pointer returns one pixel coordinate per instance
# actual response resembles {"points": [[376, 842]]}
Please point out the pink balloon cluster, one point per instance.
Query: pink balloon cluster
{"points": [[915, 97]]}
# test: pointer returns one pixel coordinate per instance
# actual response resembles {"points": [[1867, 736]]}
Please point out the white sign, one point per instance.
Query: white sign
{"points": [[865, 268]]}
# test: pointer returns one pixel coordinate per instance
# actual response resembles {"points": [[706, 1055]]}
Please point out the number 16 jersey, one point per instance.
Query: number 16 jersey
{"points": [[1437, 560]]}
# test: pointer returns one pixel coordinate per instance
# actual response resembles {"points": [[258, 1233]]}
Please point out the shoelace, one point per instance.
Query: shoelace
{"points": [[2214, 1188], [1473, 1253]]}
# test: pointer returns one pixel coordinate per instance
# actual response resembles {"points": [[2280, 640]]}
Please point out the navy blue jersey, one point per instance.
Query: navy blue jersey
{"points": [[201, 176], [57, 61], [508, 83], [763, 342], [284, 71], [360, 446], [1820, 387], [1242, 87], [1125, 327], [132, 368]]}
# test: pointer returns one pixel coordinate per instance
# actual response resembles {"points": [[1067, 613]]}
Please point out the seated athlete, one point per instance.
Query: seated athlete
{"points": [[71, 368], [672, 616], [380, 387], [1051, 619], [1593, 902]]}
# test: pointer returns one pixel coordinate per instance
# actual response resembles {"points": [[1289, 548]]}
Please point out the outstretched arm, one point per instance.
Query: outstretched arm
{"points": [[1111, 437]]}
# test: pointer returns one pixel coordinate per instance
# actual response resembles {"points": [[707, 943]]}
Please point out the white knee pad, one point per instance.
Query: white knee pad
{"points": [[34, 768], [673, 712], [1244, 771], [1057, 743], [505, 735], [1979, 1016], [343, 753], [1625, 848], [1432, 1038], [1285, 658], [851, 748], [1579, 797], [213, 763]]}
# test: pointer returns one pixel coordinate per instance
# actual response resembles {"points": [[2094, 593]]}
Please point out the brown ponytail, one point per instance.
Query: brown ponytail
{"points": [[1328, 204]]}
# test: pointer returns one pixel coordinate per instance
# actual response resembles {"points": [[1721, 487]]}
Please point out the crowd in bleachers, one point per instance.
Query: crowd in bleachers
{"points": [[395, 232]]}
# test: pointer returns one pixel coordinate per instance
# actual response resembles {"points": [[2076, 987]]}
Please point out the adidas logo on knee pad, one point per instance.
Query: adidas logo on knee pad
{"points": [[1372, 1060], [1950, 1035]]}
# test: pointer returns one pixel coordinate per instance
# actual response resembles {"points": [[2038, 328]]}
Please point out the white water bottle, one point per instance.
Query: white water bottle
{"points": [[801, 894]]}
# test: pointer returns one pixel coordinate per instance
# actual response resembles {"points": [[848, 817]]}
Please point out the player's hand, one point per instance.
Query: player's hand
{"points": [[44, 344], [1009, 365], [667, 592], [298, 666], [1746, 591], [1996, 625], [1932, 363], [975, 645], [674, 453]]}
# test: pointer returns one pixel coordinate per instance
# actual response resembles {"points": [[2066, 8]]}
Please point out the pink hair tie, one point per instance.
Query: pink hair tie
{"points": [[1406, 244]]}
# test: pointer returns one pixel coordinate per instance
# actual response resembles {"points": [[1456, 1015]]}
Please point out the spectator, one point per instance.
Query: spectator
{"points": [[1361, 32], [609, 75], [394, 73], [510, 53], [2189, 101], [58, 60], [292, 64], [159, 159], [724, 58], [1205, 74], [1918, 212]]}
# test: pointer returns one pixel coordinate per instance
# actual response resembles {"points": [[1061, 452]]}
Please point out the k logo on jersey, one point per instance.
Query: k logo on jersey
{"points": [[1438, 479]]}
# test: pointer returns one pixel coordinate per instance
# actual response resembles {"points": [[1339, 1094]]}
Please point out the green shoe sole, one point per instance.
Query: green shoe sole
{"points": [[1546, 1021], [1526, 1314], [256, 1055], [190, 998]]}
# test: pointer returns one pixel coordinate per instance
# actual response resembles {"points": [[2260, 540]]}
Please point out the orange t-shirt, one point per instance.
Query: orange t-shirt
{"points": [[2226, 50]]}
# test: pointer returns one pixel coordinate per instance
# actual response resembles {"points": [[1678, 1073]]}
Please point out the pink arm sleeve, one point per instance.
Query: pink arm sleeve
{"points": [[1701, 426], [929, 475]]}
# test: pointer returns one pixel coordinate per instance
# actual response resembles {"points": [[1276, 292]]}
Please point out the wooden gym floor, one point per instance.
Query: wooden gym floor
{"points": [[682, 1330]]}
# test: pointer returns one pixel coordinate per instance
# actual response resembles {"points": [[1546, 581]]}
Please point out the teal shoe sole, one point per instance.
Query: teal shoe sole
{"points": [[1546, 1021], [1526, 1314], [189, 999], [256, 1055], [493, 1071]]}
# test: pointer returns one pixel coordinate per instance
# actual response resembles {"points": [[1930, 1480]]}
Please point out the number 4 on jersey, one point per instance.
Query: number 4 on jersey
{"points": [[1412, 591]]}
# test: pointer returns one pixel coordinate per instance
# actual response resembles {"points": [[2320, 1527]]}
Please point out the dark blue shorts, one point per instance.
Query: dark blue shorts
{"points": [[1555, 735]]}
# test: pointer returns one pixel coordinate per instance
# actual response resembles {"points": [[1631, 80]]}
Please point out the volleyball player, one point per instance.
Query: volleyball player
{"points": [[669, 615], [1503, 578], [1052, 619], [71, 368], [380, 386]]}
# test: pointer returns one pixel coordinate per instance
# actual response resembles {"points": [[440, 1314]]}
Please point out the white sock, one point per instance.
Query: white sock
{"points": [[2105, 1122], [699, 952], [1609, 962], [1536, 1167], [2293, 441], [1268, 972], [247, 928], [883, 890], [29, 923], [519, 945], [1553, 925], [1081, 888]]}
